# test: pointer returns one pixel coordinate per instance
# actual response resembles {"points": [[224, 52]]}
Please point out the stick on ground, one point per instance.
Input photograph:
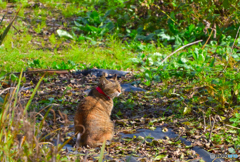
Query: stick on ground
{"points": [[189, 44]]}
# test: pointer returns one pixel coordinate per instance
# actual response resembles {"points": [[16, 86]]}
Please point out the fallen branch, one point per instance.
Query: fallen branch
{"points": [[9, 88], [232, 126], [180, 49]]}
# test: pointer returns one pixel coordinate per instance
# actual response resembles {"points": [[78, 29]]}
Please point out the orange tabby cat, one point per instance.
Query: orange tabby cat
{"points": [[94, 113]]}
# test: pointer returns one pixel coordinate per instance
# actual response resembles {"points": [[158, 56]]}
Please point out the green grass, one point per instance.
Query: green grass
{"points": [[22, 49], [197, 67], [114, 55]]}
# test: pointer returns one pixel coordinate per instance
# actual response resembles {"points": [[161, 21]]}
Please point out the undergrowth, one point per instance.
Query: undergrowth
{"points": [[126, 35]]}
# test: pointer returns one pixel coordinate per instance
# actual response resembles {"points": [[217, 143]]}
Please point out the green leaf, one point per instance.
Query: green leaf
{"points": [[183, 60], [212, 62], [237, 115], [102, 152], [152, 128], [163, 35], [226, 3], [231, 150], [14, 77], [2, 19], [78, 24], [159, 157], [33, 94], [1, 100], [8, 28], [63, 33], [119, 113], [186, 110], [135, 60]]}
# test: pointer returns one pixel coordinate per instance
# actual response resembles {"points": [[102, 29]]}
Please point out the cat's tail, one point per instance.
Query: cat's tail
{"points": [[79, 134]]}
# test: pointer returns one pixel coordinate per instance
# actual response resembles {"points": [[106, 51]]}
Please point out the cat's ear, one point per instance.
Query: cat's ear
{"points": [[104, 74], [115, 77], [103, 79]]}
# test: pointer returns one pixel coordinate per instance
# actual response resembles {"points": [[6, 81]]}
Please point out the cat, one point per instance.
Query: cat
{"points": [[94, 113]]}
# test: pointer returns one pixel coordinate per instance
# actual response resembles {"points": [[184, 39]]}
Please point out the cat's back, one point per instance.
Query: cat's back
{"points": [[95, 100]]}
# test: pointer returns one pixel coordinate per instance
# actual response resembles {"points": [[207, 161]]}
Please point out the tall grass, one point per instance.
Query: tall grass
{"points": [[19, 134]]}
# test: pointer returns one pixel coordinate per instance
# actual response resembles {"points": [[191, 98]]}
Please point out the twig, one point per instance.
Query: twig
{"points": [[232, 126], [181, 48], [210, 135], [210, 120], [54, 116], [208, 39], [46, 107], [231, 50], [1, 92], [16, 29], [204, 122], [235, 38]]}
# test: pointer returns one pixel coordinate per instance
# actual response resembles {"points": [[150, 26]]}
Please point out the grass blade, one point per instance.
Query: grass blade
{"points": [[66, 142], [8, 28], [18, 86], [102, 152], [33, 94], [16, 95], [2, 19], [41, 124]]}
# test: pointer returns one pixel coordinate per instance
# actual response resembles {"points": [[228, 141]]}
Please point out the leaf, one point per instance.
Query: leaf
{"points": [[159, 157], [51, 99], [164, 36], [150, 61], [1, 100], [226, 3], [172, 28], [14, 77], [212, 62], [186, 110], [119, 113], [231, 150], [102, 152], [135, 60], [107, 13], [150, 37], [183, 60], [78, 24], [2, 19], [152, 128], [110, 26], [33, 94], [8, 28], [63, 33], [237, 115]]}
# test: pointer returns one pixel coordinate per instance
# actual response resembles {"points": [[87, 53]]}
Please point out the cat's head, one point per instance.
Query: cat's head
{"points": [[111, 87]]}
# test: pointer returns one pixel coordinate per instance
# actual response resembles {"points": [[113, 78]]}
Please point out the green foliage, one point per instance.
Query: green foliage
{"points": [[235, 120]]}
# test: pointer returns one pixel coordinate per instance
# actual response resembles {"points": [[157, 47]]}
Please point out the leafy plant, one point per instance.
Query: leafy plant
{"points": [[235, 120], [90, 27]]}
